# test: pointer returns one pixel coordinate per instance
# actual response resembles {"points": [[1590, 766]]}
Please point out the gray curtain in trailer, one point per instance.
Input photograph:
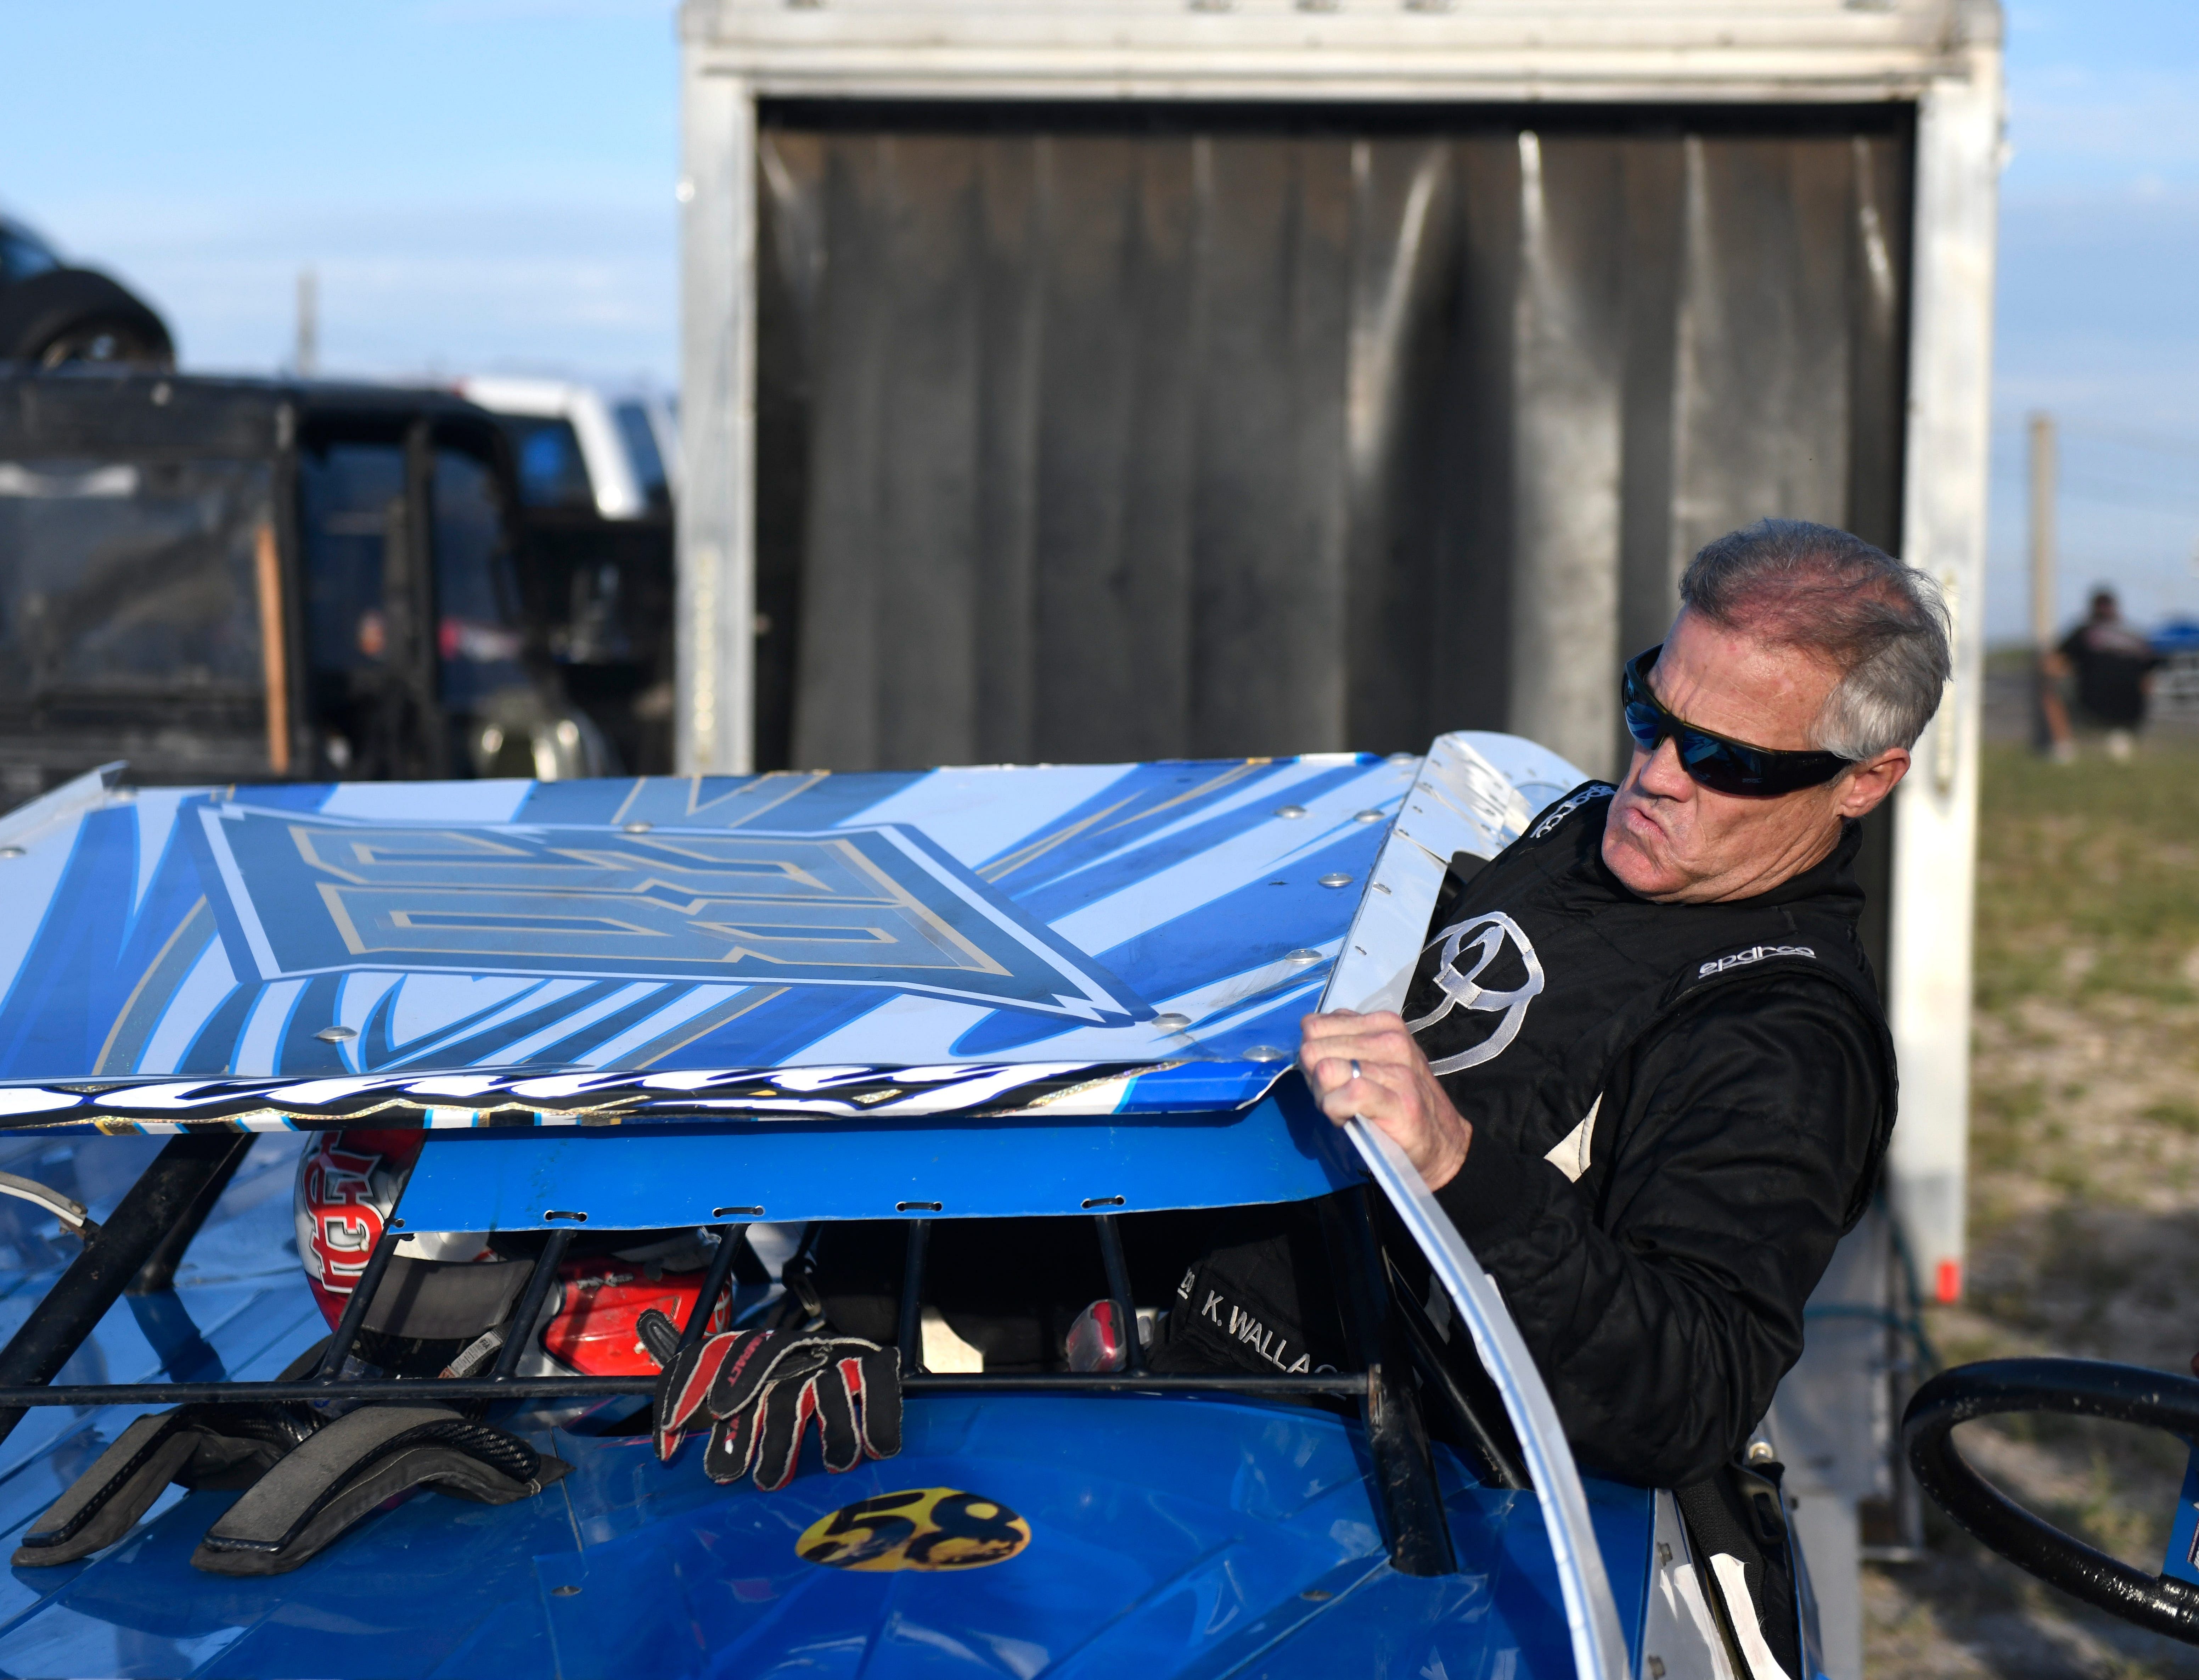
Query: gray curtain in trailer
{"points": [[1145, 432]]}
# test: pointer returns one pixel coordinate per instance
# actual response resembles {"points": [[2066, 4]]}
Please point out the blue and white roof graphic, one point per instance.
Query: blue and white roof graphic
{"points": [[1077, 939]]}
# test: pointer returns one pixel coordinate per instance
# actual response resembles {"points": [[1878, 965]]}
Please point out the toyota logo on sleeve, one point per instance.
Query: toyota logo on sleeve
{"points": [[1484, 939]]}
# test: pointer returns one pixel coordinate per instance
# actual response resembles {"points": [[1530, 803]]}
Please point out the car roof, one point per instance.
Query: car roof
{"points": [[1055, 940]]}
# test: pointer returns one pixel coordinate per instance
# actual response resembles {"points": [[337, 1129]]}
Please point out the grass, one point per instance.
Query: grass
{"points": [[2088, 877], [2084, 1216], [2178, 1113]]}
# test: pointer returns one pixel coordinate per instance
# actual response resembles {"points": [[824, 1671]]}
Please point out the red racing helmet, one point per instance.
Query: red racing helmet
{"points": [[445, 1290]]}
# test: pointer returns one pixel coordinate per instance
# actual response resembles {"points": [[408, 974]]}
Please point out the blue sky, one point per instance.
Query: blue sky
{"points": [[478, 184], [487, 184], [2098, 318]]}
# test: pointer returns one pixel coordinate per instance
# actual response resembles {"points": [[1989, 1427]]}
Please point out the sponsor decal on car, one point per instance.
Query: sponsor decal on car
{"points": [[304, 895]]}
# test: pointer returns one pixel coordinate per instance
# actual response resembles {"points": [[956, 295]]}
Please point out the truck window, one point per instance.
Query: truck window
{"points": [[134, 575], [478, 628], [552, 472], [349, 496]]}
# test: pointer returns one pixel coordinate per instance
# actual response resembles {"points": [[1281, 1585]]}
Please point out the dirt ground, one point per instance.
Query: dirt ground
{"points": [[2083, 1199]]}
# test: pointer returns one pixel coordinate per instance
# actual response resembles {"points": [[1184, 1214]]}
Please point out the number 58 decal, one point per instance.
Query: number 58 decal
{"points": [[923, 1528]]}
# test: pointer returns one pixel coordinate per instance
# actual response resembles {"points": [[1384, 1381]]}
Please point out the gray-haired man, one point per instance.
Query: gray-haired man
{"points": [[1643, 1064]]}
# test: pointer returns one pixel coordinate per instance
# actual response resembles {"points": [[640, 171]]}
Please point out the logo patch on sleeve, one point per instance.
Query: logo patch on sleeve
{"points": [[1754, 953]]}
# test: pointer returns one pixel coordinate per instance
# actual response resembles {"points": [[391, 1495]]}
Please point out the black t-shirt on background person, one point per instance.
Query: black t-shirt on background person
{"points": [[2110, 660]]}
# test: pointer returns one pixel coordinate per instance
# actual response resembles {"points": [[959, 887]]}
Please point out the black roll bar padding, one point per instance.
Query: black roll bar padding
{"points": [[158, 1272], [530, 1305], [1408, 1497], [1118, 1286], [732, 1239], [1495, 1449], [1349, 1384], [362, 1296], [2072, 1388], [911, 1337], [150, 1210]]}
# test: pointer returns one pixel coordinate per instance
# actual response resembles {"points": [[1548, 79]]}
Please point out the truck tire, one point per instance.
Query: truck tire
{"points": [[79, 315]]}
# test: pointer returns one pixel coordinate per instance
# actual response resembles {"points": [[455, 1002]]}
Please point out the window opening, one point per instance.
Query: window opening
{"points": [[131, 576], [553, 471]]}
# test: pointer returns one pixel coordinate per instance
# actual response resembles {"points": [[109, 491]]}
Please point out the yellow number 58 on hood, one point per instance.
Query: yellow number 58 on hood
{"points": [[920, 1528]]}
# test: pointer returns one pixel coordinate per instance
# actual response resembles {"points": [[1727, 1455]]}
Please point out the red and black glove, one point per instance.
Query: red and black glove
{"points": [[760, 1388]]}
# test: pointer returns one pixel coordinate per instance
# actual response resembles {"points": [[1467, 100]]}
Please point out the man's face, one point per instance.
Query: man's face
{"points": [[1675, 842]]}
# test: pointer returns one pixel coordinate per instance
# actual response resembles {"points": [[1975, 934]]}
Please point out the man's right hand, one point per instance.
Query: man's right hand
{"points": [[1369, 1065]]}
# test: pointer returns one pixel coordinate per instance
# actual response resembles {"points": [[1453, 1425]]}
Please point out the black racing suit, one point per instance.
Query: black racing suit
{"points": [[1677, 1110]]}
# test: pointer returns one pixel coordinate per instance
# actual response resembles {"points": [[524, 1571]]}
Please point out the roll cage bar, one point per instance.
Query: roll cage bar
{"points": [[139, 1247]]}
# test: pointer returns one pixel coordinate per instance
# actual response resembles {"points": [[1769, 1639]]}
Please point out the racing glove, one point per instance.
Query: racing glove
{"points": [[761, 1388]]}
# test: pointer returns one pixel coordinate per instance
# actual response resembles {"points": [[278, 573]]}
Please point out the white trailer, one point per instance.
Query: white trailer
{"points": [[1120, 378]]}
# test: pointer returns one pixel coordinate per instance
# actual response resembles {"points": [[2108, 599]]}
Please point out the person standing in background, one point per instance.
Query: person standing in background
{"points": [[2112, 666]]}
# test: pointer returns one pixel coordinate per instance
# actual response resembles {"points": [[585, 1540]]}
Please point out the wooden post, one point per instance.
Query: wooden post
{"points": [[307, 355], [2051, 733], [274, 651]]}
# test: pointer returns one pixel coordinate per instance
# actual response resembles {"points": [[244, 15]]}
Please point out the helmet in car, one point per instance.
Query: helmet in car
{"points": [[445, 1299]]}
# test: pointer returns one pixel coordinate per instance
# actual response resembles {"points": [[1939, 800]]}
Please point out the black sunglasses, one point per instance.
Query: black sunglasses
{"points": [[1715, 762]]}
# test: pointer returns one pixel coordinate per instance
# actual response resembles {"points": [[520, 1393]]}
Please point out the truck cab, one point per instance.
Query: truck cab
{"points": [[244, 580]]}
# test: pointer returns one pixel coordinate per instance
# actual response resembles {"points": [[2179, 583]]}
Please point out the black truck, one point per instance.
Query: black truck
{"points": [[220, 579]]}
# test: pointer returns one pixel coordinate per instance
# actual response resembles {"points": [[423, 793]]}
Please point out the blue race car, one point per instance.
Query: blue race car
{"points": [[490, 1108]]}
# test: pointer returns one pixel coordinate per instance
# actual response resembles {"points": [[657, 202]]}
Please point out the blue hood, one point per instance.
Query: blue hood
{"points": [[1169, 1537]]}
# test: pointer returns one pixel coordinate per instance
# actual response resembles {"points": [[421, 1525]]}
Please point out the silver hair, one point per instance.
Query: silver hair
{"points": [[1881, 624]]}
